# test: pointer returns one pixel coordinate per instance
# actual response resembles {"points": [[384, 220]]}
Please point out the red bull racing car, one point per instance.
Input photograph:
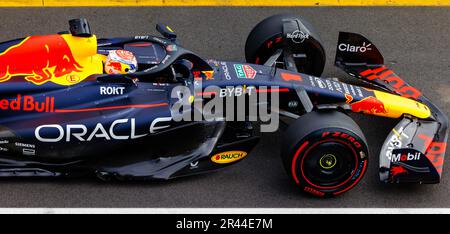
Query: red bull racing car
{"points": [[62, 115]]}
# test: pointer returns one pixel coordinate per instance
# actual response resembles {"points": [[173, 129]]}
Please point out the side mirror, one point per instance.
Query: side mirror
{"points": [[166, 31], [80, 27]]}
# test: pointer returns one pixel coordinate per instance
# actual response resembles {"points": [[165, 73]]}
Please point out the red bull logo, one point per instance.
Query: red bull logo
{"points": [[396, 170], [208, 74], [39, 59], [28, 103], [369, 105]]}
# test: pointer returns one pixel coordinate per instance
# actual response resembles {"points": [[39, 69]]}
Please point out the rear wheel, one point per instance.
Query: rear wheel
{"points": [[325, 153], [267, 37]]}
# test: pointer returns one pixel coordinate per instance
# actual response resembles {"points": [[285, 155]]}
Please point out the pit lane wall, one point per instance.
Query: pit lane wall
{"points": [[78, 3]]}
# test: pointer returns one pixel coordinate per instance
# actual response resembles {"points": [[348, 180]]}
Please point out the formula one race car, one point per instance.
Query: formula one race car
{"points": [[61, 114]]}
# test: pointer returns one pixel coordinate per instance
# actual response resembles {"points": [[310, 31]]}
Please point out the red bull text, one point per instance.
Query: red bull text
{"points": [[28, 103]]}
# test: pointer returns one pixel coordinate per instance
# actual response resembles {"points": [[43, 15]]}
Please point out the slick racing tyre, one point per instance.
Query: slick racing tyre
{"points": [[267, 37], [325, 153]]}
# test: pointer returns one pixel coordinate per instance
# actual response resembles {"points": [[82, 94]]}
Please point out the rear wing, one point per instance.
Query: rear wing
{"points": [[414, 150]]}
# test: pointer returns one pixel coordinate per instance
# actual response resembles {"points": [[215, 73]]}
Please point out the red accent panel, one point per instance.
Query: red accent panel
{"points": [[272, 90], [140, 44], [206, 93], [112, 108], [289, 76]]}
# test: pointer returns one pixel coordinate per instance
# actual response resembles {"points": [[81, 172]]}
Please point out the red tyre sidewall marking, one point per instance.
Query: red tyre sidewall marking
{"points": [[356, 181], [273, 41], [306, 154], [294, 174]]}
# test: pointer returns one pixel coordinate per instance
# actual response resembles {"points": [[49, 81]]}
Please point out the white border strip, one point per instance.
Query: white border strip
{"points": [[224, 211]]}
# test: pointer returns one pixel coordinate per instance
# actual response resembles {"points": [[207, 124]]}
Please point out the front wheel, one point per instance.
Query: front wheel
{"points": [[325, 153]]}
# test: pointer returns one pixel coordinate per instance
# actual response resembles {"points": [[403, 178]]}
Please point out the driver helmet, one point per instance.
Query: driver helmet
{"points": [[120, 62]]}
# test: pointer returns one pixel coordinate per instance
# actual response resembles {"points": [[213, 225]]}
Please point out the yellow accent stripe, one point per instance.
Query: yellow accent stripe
{"points": [[396, 133], [74, 3], [168, 28], [396, 106]]}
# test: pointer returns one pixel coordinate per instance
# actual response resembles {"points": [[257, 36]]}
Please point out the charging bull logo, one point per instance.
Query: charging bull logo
{"points": [[369, 105], [397, 170], [39, 59]]}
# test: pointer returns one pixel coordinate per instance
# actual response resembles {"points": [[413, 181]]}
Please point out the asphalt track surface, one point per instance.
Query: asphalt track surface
{"points": [[414, 41]]}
